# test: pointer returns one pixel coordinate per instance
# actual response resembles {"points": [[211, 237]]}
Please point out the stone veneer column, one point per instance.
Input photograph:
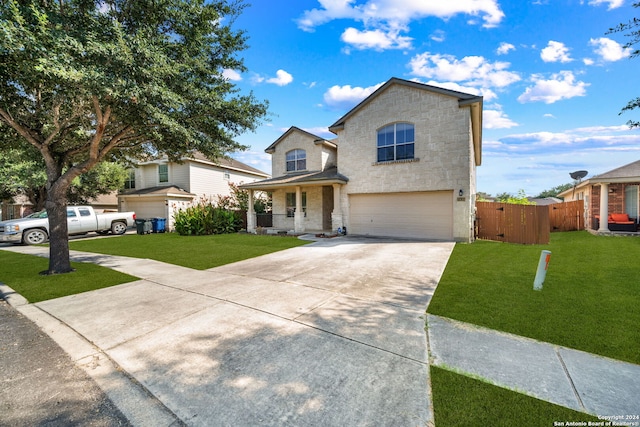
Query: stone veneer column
{"points": [[336, 215], [251, 215], [604, 207], [298, 216]]}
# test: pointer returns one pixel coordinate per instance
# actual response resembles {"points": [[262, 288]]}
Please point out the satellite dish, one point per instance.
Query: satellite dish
{"points": [[578, 175]]}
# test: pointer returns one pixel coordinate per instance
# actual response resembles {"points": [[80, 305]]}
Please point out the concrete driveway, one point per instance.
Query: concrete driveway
{"points": [[330, 333]]}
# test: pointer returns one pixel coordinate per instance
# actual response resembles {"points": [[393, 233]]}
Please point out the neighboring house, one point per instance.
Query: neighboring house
{"points": [[615, 191], [403, 164], [158, 188], [544, 201], [17, 207]]}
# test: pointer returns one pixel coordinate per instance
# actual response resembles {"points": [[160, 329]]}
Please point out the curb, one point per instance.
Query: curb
{"points": [[135, 402]]}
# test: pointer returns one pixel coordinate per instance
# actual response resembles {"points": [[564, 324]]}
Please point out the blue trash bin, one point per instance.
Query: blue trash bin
{"points": [[159, 225]]}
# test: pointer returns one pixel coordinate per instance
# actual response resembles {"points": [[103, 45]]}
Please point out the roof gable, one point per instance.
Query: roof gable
{"points": [[465, 100], [272, 148], [632, 170]]}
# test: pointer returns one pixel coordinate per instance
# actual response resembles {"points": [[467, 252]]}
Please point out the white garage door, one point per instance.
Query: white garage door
{"points": [[422, 215], [147, 208]]}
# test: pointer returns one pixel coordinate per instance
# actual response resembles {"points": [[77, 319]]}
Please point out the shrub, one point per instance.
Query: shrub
{"points": [[205, 218]]}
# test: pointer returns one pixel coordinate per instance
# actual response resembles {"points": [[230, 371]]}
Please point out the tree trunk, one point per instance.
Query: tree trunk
{"points": [[56, 205]]}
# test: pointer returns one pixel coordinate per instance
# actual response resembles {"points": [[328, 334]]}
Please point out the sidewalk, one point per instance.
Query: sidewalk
{"points": [[570, 378]]}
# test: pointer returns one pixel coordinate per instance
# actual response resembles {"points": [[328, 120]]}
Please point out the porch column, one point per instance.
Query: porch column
{"points": [[251, 215], [298, 216], [604, 207], [336, 215]]}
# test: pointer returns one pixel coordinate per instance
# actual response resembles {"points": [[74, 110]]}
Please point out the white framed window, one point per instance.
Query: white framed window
{"points": [[130, 181], [227, 175], [291, 204], [296, 160], [163, 173], [396, 142]]}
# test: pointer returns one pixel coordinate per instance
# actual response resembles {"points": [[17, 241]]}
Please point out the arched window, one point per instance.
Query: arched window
{"points": [[296, 160], [396, 142]]}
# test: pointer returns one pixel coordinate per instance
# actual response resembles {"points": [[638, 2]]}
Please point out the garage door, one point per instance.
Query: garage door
{"points": [[423, 215], [147, 208]]}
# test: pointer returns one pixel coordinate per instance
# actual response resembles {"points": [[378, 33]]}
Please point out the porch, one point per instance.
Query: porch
{"points": [[309, 202]]}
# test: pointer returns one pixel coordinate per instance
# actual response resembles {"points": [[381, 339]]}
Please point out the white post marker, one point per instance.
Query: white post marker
{"points": [[543, 264]]}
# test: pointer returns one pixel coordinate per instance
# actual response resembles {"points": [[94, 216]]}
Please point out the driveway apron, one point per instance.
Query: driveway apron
{"points": [[330, 333]]}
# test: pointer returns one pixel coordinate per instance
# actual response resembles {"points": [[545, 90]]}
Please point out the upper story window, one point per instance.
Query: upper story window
{"points": [[296, 160], [396, 142], [227, 175], [130, 181], [163, 173]]}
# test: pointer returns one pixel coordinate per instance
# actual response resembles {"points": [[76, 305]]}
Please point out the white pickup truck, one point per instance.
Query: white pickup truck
{"points": [[34, 229]]}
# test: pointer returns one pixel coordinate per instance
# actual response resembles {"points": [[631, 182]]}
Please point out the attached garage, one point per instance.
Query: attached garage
{"points": [[417, 215]]}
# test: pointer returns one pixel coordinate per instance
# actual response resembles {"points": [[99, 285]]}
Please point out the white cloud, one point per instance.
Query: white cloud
{"points": [[282, 78], [474, 70], [609, 50], [344, 97], [232, 75], [487, 94], [384, 20], [375, 39], [613, 4], [496, 119], [555, 52], [399, 11], [562, 85], [505, 48], [438, 36]]}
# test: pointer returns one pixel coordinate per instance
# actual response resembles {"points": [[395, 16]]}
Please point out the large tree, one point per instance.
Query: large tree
{"points": [[23, 173], [631, 30], [85, 81]]}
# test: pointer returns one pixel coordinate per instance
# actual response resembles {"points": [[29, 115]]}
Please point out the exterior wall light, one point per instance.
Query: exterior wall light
{"points": [[460, 192]]}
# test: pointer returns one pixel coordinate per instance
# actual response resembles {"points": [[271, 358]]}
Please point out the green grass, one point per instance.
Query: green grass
{"points": [[21, 273], [589, 301], [460, 401], [197, 252]]}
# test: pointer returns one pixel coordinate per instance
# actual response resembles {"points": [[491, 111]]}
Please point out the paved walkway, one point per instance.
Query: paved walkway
{"points": [[570, 378], [320, 334]]}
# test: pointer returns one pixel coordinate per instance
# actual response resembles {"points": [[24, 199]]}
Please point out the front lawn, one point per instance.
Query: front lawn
{"points": [[21, 273], [197, 252], [589, 301]]}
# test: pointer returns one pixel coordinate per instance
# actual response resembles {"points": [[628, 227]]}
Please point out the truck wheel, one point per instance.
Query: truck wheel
{"points": [[118, 227], [34, 237]]}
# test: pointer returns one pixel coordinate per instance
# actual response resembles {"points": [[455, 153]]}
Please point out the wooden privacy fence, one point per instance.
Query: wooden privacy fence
{"points": [[506, 222], [526, 224], [567, 216]]}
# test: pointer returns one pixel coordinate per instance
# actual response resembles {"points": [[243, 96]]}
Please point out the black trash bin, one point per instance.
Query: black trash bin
{"points": [[158, 225], [143, 226]]}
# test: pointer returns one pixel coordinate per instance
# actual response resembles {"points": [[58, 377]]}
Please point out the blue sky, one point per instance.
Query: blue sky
{"points": [[553, 81]]}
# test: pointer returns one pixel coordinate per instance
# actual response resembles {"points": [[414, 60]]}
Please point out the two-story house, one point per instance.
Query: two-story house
{"points": [[403, 164], [158, 188]]}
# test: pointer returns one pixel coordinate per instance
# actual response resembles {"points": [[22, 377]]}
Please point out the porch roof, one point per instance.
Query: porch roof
{"points": [[325, 177], [159, 191]]}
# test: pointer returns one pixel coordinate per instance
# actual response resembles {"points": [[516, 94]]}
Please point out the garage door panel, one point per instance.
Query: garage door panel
{"points": [[424, 215]]}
